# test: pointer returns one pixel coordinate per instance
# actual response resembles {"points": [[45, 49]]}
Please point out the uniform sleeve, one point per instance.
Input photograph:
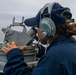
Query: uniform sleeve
{"points": [[15, 63], [47, 65]]}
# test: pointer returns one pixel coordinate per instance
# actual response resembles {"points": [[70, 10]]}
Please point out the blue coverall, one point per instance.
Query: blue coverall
{"points": [[60, 59]]}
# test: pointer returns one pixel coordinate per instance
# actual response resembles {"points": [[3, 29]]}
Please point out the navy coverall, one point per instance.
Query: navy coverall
{"points": [[60, 59]]}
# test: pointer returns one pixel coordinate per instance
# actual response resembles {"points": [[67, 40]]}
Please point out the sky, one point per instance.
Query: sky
{"points": [[26, 8]]}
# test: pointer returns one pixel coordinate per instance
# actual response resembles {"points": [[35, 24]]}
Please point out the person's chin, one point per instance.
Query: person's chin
{"points": [[43, 42]]}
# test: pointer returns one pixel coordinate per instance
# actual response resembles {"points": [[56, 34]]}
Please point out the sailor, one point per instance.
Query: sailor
{"points": [[54, 31]]}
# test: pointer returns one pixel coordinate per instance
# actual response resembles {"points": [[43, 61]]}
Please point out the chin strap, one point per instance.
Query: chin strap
{"points": [[47, 46]]}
